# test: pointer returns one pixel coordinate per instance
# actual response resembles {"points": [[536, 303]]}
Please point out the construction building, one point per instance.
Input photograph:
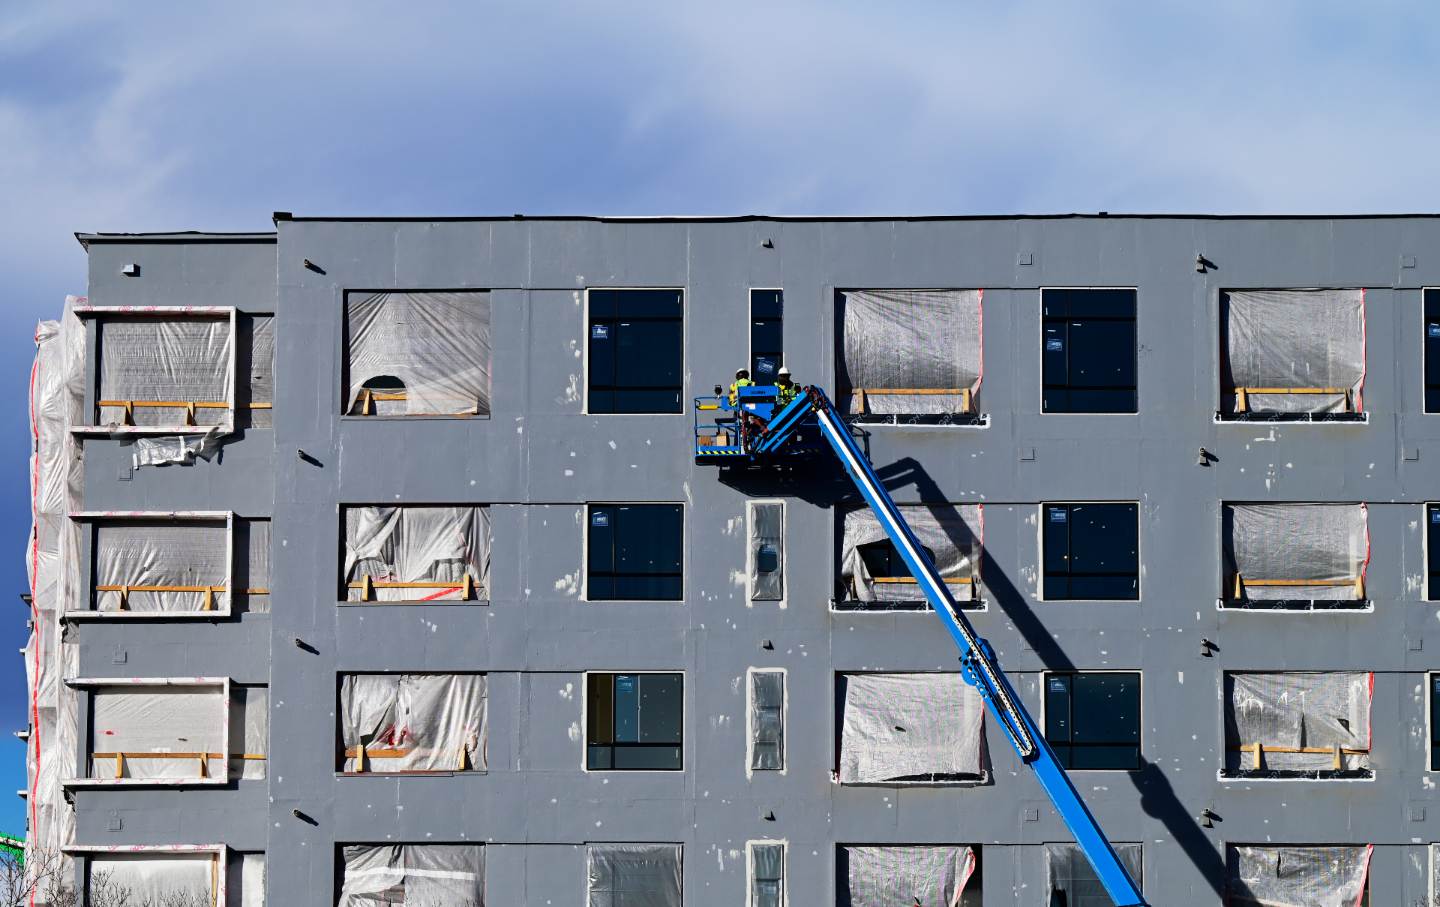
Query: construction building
{"points": [[372, 563]]}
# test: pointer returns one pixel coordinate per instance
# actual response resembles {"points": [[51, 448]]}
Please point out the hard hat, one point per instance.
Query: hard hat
{"points": [[742, 373], [783, 373]]}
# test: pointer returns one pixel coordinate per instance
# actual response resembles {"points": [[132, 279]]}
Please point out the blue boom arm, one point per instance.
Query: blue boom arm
{"points": [[977, 659]]}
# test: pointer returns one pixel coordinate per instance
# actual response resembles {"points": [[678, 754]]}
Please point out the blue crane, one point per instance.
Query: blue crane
{"points": [[755, 430]]}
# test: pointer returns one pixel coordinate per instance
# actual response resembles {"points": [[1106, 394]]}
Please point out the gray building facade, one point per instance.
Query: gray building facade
{"points": [[540, 458]]}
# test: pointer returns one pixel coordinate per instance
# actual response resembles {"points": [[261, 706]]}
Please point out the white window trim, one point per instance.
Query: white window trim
{"points": [[1263, 613], [94, 684], [585, 556], [1040, 359], [1243, 778], [750, 602], [684, 349], [1040, 558], [92, 517], [99, 313], [585, 725], [750, 869], [750, 718], [219, 857], [1046, 675]]}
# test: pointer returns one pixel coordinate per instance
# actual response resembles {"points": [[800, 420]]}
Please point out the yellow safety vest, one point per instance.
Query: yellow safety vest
{"points": [[735, 390]]}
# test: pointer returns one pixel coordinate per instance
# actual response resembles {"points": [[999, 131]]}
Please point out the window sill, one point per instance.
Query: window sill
{"points": [[419, 417], [113, 431], [1298, 606], [90, 614], [431, 774], [900, 607], [919, 420], [80, 783], [450, 603], [1358, 774], [979, 780], [1293, 418]]}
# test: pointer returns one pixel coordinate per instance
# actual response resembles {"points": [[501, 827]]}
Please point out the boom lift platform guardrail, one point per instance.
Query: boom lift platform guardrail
{"points": [[756, 432]]}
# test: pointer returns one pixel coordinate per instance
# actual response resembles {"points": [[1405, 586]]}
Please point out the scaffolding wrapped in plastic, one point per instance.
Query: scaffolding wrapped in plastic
{"points": [[1298, 724], [911, 728], [1324, 876], [165, 371], [873, 574], [183, 878], [412, 722], [910, 355], [1068, 872], [767, 552], [417, 554], [446, 875], [172, 565], [1293, 352], [933, 876], [158, 733], [418, 354], [1280, 555], [639, 874]]}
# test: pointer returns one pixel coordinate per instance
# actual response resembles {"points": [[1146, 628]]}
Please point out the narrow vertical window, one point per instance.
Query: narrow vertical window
{"points": [[637, 351], [1432, 551], [767, 874], [1432, 351], [1088, 358], [767, 721], [767, 348], [767, 546], [1435, 722]]}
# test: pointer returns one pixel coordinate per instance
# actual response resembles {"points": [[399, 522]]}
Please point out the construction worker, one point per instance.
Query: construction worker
{"points": [[742, 379], [788, 390]]}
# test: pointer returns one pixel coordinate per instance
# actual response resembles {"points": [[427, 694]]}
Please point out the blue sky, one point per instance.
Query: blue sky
{"points": [[173, 116]]}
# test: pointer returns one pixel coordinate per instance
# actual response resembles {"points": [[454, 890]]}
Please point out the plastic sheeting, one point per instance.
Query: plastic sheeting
{"points": [[911, 727], [1298, 710], [767, 552], [156, 553], [249, 730], [245, 886], [1298, 876], [767, 875], [184, 359], [954, 533], [909, 340], [156, 719], [413, 875], [1297, 542], [261, 331], [1296, 339], [633, 875], [767, 721], [1067, 870], [254, 541], [431, 719], [436, 344], [417, 544], [151, 877], [906, 876]]}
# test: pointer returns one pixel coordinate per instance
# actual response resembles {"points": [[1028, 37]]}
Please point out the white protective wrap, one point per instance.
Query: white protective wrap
{"points": [[251, 883], [150, 877], [767, 552], [633, 875], [414, 722], [1296, 542], [1068, 870], [1298, 876], [417, 545], [933, 876], [909, 340], [1298, 711], [1295, 339], [252, 558], [154, 553], [249, 730], [911, 727], [413, 875], [953, 532], [436, 344], [261, 330], [183, 359], [157, 719]]}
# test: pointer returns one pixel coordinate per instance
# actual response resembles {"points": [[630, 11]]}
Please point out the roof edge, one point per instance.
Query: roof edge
{"points": [[819, 218], [194, 236]]}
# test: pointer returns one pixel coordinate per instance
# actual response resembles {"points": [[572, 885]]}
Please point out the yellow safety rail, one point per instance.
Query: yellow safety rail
{"points": [[188, 405], [860, 394], [368, 399], [1258, 750], [1237, 591], [362, 752], [203, 757], [367, 586], [1242, 395], [208, 603]]}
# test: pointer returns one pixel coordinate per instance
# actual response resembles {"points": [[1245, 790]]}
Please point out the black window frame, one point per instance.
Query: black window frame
{"points": [[1430, 373], [604, 322], [763, 323], [1058, 397], [606, 747], [603, 585], [1068, 575], [1432, 552], [1061, 736], [1434, 678]]}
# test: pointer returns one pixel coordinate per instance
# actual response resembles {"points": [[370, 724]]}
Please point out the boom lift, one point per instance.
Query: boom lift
{"points": [[756, 432]]}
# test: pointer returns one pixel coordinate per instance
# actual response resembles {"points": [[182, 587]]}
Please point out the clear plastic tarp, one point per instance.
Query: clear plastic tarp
{"points": [[413, 875], [255, 542], [1275, 548], [1311, 340], [413, 722], [767, 552], [1332, 876], [933, 876], [148, 558], [909, 340], [911, 727], [416, 553], [151, 877], [767, 721], [954, 534], [153, 359], [161, 730], [633, 875], [1299, 720], [767, 875], [262, 368], [249, 730], [1067, 870], [419, 354], [246, 881]]}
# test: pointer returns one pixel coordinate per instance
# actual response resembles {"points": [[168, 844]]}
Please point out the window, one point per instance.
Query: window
{"points": [[1073, 883], [1092, 720], [895, 874], [409, 723], [1088, 364], [164, 371], [766, 336], [1337, 875], [1432, 551], [256, 362], [635, 552], [1432, 351], [1298, 724], [767, 874], [417, 354], [416, 554], [633, 722], [637, 347], [1296, 557], [175, 876], [633, 875], [767, 550], [909, 729], [421, 874], [1292, 355], [1092, 551], [767, 720], [1435, 722], [874, 577]]}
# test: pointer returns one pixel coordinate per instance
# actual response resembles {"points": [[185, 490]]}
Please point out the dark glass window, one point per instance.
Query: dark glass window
{"points": [[1092, 551], [636, 552], [1432, 550], [766, 341], [1432, 351], [1088, 357], [637, 344], [1092, 720], [634, 721], [1435, 722]]}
